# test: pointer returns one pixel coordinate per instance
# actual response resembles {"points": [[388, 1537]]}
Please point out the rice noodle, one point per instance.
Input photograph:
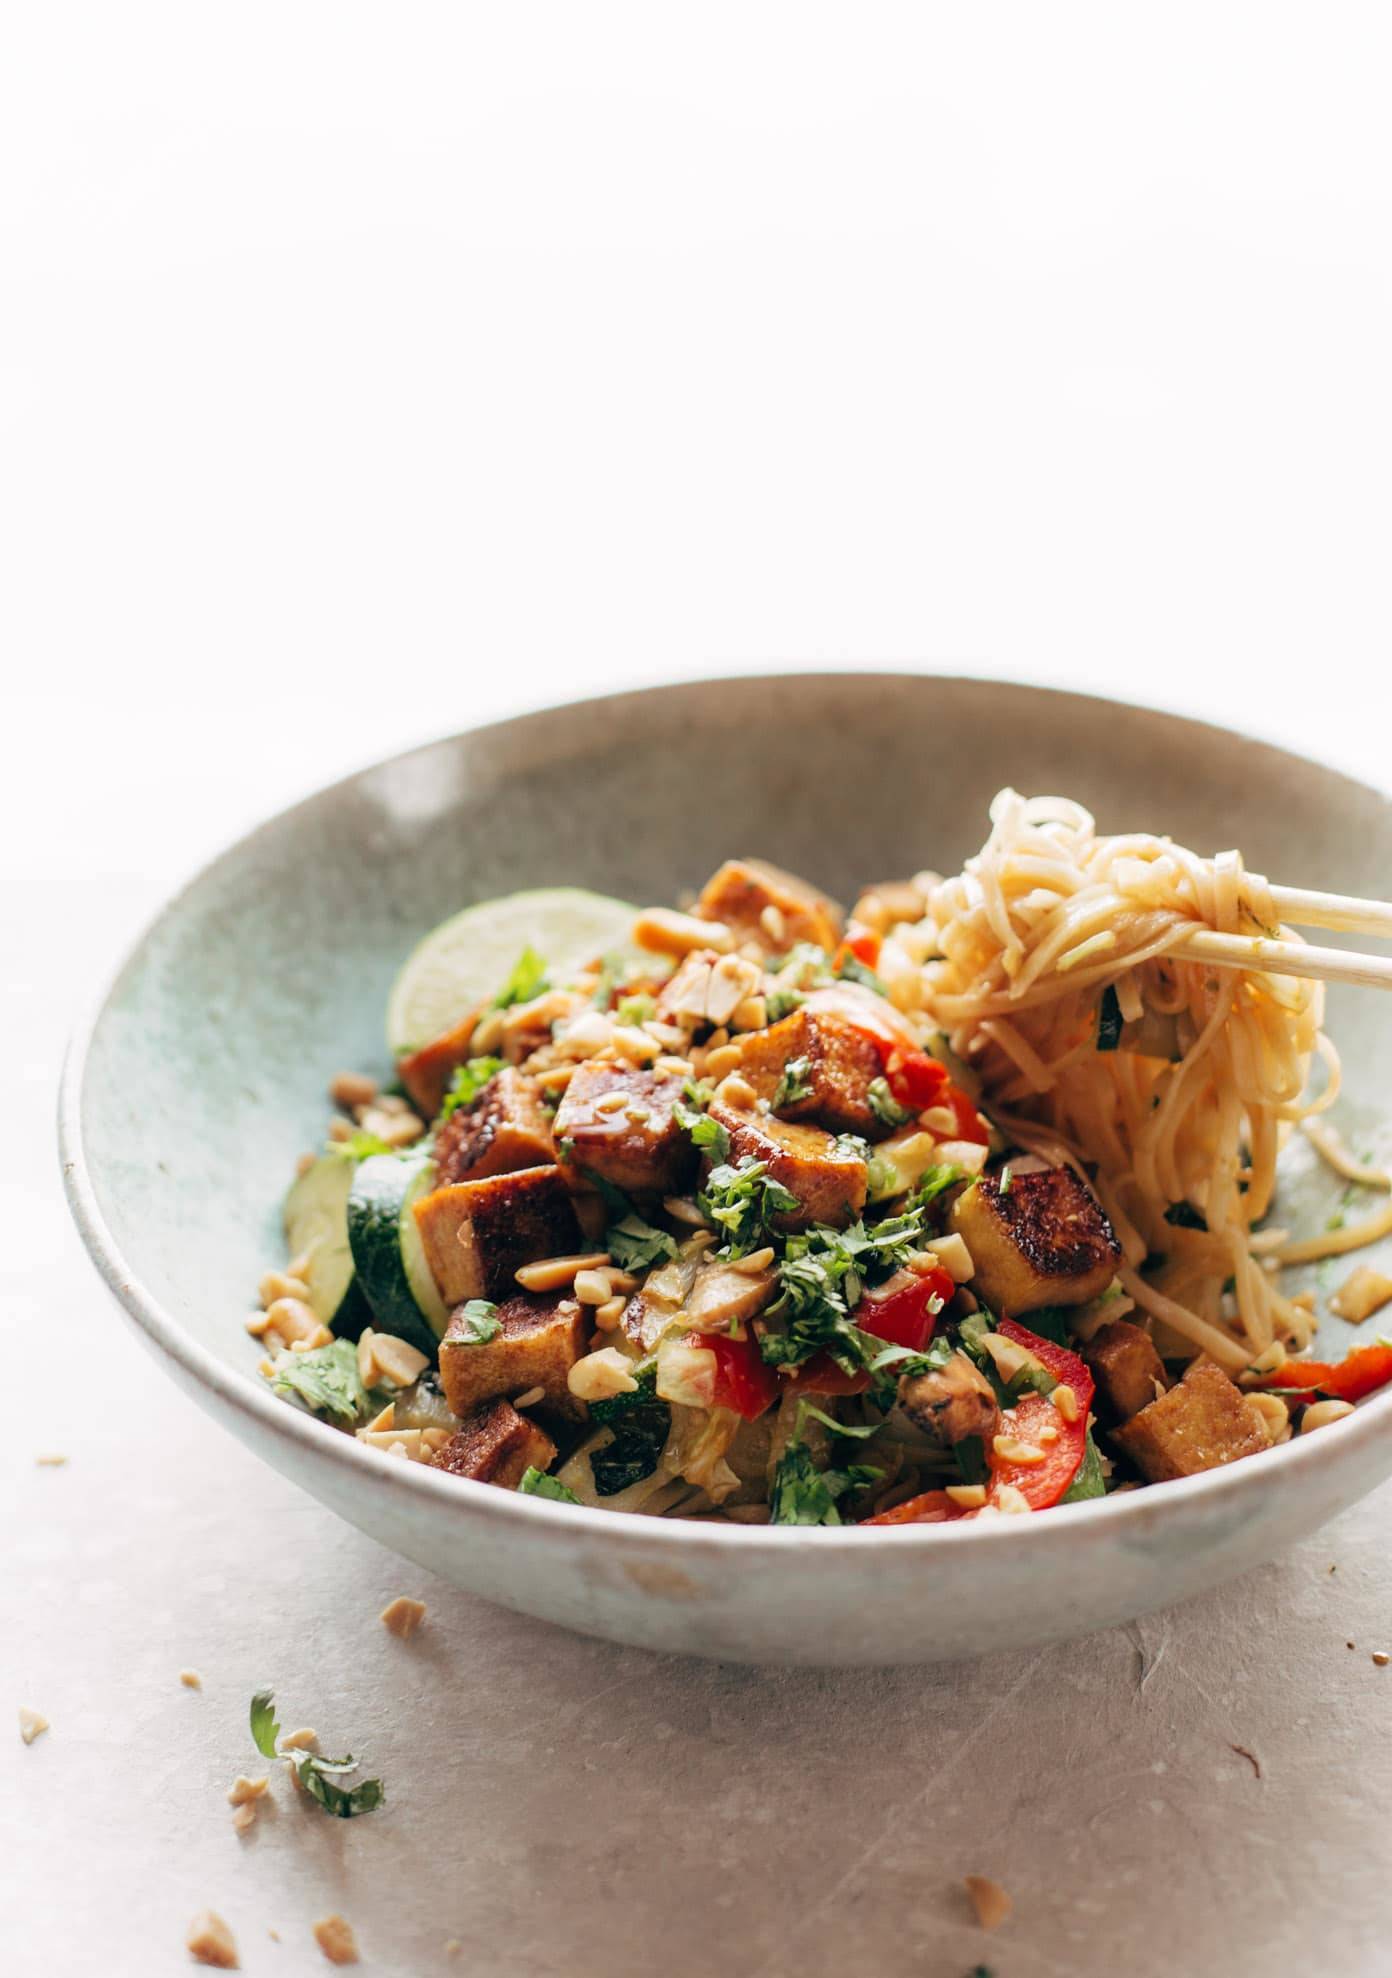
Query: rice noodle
{"points": [[1018, 987]]}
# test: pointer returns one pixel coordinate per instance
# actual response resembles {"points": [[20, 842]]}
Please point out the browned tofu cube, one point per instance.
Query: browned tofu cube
{"points": [[1126, 1368], [1044, 1240], [540, 1339], [763, 904], [478, 1234], [497, 1446], [636, 1144], [832, 1067], [506, 1128], [1204, 1421], [829, 1182], [428, 1073]]}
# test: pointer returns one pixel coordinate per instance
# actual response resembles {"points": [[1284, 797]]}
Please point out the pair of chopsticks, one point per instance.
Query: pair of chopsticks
{"points": [[1339, 911]]}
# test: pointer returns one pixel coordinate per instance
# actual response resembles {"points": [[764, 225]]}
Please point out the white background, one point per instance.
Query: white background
{"points": [[366, 371]]}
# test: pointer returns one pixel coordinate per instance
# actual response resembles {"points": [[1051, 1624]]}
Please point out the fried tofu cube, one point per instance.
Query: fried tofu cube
{"points": [[478, 1234], [428, 1073], [1205, 1420], [763, 904], [951, 1403], [1044, 1240], [506, 1128], [832, 1068], [497, 1446], [540, 1338], [828, 1181], [1126, 1368], [618, 1121]]}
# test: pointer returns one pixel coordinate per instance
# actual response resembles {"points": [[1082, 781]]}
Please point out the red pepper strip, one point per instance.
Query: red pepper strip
{"points": [[904, 1311], [1365, 1369], [916, 1080], [1043, 1484], [862, 942], [934, 1507], [970, 1125], [743, 1379], [821, 1375]]}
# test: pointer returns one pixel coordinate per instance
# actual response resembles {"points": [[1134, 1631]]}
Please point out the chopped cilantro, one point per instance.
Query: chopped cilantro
{"points": [[884, 1105], [804, 964], [851, 968], [795, 1084], [327, 1381], [315, 1772], [706, 1133], [1184, 1215], [932, 1182], [469, 1080], [633, 1244], [804, 1494], [742, 1200], [527, 980], [1108, 1020], [640, 1424], [535, 1483], [821, 1276], [634, 1010], [697, 1092], [1050, 1322], [481, 1322], [782, 1002], [1089, 1480], [1004, 1180]]}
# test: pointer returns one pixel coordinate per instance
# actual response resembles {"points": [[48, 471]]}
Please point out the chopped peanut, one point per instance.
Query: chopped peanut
{"points": [[301, 1740], [402, 1616], [334, 1936], [988, 1899], [601, 1375], [190, 1679], [242, 1790], [31, 1724], [556, 1271], [209, 1941], [352, 1088], [663, 931], [1366, 1291], [383, 1359]]}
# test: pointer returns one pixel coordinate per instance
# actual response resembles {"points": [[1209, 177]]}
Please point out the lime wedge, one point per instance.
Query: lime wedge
{"points": [[467, 959]]}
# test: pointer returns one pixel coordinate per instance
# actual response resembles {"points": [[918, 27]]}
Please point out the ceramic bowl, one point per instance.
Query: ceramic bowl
{"points": [[202, 1076]]}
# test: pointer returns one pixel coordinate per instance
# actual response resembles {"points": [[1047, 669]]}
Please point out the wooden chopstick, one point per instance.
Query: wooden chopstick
{"points": [[1336, 910], [1284, 958]]}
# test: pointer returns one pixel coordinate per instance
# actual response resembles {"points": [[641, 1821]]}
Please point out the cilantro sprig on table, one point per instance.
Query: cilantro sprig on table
{"points": [[320, 1776]]}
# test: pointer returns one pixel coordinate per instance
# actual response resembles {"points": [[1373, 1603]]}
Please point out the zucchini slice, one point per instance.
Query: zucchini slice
{"points": [[387, 1250], [316, 1226]]}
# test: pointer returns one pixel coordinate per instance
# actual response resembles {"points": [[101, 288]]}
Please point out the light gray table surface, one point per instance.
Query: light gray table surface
{"points": [[363, 373]]}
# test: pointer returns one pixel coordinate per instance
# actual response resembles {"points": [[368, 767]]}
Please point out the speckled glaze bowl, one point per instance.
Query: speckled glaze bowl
{"points": [[201, 1077]]}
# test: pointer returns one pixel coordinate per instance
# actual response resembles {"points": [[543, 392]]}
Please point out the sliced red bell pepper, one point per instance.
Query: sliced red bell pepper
{"points": [[744, 1380], [934, 1507], [970, 1125], [862, 942], [1043, 1484], [904, 1310], [916, 1080], [1364, 1370]]}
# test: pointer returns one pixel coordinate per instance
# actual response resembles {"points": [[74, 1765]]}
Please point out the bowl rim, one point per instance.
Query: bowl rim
{"points": [[1125, 1517]]}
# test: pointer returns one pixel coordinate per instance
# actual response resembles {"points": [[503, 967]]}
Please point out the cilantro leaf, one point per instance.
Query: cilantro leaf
{"points": [[535, 1483], [1089, 1480], [706, 1133], [343, 1801], [743, 1200], [850, 968], [265, 1731], [469, 1080], [326, 1380], [481, 1319], [884, 1105], [360, 1147], [527, 980], [779, 1003], [633, 1244], [821, 1276], [934, 1180], [804, 1494], [795, 1083]]}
